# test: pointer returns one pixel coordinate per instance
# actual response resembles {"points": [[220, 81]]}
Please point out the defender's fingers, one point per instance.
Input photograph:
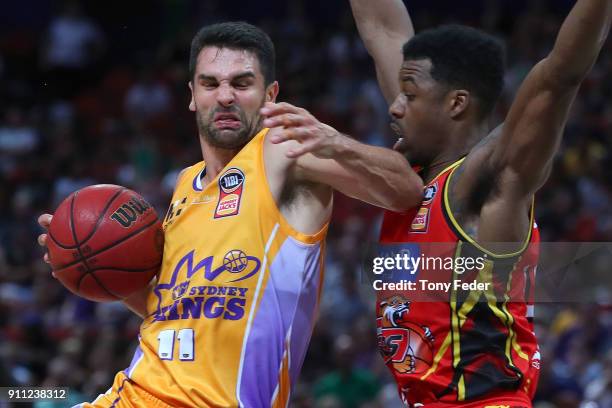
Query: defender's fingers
{"points": [[299, 134], [285, 119], [270, 109], [301, 150]]}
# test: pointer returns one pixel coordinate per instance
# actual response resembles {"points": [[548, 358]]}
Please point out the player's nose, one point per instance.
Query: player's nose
{"points": [[226, 95], [396, 110]]}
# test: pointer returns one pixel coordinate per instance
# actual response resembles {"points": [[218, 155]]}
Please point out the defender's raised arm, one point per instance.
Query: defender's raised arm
{"points": [[384, 26], [533, 129]]}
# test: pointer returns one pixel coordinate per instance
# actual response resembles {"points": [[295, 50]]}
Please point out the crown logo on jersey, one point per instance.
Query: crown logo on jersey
{"points": [[231, 186], [208, 294]]}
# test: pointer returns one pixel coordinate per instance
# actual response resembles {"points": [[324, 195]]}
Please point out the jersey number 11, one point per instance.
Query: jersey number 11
{"points": [[166, 344]]}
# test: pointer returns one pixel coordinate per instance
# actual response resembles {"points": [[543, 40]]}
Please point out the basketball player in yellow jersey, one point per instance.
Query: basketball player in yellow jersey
{"points": [[228, 320]]}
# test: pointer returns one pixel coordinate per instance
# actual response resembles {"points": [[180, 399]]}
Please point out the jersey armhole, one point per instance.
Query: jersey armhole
{"points": [[458, 230], [284, 224]]}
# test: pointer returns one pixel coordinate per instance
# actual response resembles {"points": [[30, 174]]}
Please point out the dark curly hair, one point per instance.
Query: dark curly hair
{"points": [[462, 57]]}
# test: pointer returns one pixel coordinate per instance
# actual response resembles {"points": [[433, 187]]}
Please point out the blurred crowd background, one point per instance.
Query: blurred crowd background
{"points": [[96, 92]]}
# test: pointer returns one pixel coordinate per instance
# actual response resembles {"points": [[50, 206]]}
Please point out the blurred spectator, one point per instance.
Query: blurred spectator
{"points": [[347, 386], [73, 41], [147, 98], [73, 46]]}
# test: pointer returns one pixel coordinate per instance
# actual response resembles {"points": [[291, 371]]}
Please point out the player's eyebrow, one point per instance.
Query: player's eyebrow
{"points": [[203, 77], [244, 75], [407, 78], [239, 76]]}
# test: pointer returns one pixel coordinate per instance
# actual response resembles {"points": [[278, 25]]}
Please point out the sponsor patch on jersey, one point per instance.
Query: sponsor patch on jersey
{"points": [[421, 220], [430, 193], [231, 186]]}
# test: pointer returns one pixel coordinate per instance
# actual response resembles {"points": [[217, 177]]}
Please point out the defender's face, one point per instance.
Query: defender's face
{"points": [[417, 113], [226, 93]]}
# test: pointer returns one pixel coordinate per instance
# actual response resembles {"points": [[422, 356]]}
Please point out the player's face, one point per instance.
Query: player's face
{"points": [[226, 93], [417, 113]]}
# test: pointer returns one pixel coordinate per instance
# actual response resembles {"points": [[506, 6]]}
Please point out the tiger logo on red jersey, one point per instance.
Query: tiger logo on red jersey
{"points": [[407, 347]]}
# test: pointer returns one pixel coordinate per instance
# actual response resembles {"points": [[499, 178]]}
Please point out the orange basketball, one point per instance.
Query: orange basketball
{"points": [[105, 242]]}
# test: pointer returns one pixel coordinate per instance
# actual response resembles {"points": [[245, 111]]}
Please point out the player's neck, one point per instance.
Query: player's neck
{"points": [[216, 159], [461, 143]]}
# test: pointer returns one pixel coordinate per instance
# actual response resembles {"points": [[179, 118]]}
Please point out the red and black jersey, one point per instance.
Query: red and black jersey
{"points": [[468, 348]]}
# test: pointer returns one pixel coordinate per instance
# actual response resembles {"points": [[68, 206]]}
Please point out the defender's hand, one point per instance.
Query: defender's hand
{"points": [[44, 221], [298, 124]]}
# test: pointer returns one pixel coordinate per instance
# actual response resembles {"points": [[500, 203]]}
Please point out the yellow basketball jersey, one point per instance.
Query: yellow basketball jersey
{"points": [[231, 316]]}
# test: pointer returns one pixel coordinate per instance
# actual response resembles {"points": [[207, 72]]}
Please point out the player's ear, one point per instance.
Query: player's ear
{"points": [[459, 101], [272, 92], [192, 106]]}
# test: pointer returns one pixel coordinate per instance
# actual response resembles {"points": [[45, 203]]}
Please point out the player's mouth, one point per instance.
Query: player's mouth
{"points": [[400, 145], [227, 121]]}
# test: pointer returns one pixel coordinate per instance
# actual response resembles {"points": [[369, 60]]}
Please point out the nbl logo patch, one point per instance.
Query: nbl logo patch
{"points": [[231, 186], [430, 193]]}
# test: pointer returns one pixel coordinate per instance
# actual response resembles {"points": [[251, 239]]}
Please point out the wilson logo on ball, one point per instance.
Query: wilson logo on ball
{"points": [[128, 213]]}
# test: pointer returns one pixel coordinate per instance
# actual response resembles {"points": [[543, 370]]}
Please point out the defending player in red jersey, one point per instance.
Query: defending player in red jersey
{"points": [[473, 348]]}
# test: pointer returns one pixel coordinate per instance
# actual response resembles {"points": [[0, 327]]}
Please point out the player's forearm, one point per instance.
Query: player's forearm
{"points": [[386, 175], [137, 302], [378, 20], [384, 26], [580, 40]]}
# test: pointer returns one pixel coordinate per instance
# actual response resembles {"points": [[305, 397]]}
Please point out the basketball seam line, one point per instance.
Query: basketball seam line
{"points": [[101, 217], [87, 269], [90, 271], [138, 231], [87, 238]]}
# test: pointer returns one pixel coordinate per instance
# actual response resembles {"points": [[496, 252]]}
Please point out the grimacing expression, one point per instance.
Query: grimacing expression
{"points": [[417, 113], [227, 92]]}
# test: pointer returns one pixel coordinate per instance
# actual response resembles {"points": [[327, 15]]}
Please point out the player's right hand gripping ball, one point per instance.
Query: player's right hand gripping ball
{"points": [[105, 242]]}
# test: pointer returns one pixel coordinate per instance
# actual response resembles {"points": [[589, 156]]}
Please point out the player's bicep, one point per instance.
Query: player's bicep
{"points": [[532, 131]]}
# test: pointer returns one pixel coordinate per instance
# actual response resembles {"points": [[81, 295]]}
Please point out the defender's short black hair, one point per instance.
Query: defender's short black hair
{"points": [[462, 57], [236, 35]]}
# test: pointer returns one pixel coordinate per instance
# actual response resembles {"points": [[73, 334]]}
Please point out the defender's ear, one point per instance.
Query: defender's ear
{"points": [[459, 101]]}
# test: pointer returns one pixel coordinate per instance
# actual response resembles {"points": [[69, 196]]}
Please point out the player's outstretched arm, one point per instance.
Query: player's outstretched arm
{"points": [[323, 155], [384, 26], [533, 129]]}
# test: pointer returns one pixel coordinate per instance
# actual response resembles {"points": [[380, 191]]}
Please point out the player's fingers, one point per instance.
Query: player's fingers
{"points": [[301, 150], [270, 108], [45, 220], [42, 240], [46, 258], [298, 134], [286, 120]]}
